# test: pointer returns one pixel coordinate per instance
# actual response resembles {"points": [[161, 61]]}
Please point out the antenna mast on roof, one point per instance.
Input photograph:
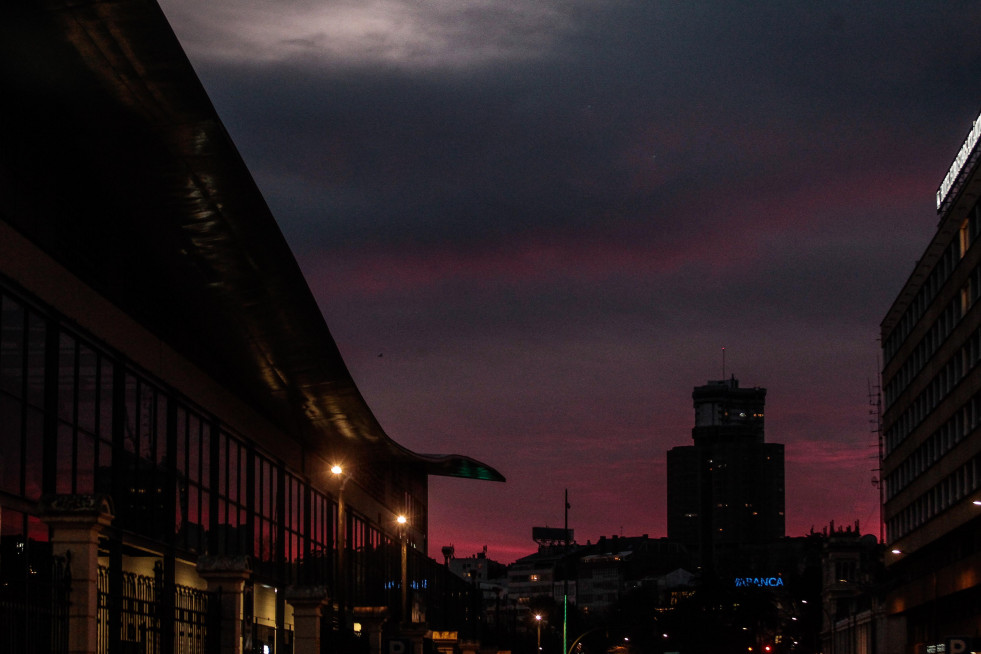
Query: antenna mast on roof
{"points": [[723, 362], [875, 410]]}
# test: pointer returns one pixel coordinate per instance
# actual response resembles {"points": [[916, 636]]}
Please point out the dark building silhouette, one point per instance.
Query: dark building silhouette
{"points": [[727, 489], [171, 399]]}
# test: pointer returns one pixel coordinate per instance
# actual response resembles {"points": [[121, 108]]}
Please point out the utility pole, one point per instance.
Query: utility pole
{"points": [[565, 578]]}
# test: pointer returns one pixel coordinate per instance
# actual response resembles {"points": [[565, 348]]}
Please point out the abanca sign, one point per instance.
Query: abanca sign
{"points": [[759, 582]]}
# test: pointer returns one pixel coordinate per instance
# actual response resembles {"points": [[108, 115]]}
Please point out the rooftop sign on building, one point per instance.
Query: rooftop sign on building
{"points": [[963, 162], [551, 535]]}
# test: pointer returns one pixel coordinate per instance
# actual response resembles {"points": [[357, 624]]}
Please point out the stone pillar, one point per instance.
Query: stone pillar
{"points": [[227, 575], [308, 607], [372, 619], [76, 522]]}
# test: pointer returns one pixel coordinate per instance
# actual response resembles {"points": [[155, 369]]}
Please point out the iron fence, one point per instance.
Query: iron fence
{"points": [[136, 616], [195, 616]]}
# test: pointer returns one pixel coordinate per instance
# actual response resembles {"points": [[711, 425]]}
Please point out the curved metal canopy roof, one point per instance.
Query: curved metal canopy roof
{"points": [[126, 176]]}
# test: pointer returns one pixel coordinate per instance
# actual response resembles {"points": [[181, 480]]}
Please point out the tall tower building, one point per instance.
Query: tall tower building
{"points": [[727, 488]]}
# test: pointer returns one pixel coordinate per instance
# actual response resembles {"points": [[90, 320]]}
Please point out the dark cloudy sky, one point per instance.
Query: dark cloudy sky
{"points": [[532, 225]]}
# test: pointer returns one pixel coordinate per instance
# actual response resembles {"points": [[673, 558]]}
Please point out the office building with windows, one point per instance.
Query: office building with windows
{"points": [[726, 490], [931, 390], [171, 400]]}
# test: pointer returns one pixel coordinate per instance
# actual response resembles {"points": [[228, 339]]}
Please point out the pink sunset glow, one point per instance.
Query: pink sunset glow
{"points": [[532, 227]]}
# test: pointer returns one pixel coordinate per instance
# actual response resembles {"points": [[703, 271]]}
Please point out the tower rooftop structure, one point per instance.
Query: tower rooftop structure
{"points": [[724, 411]]}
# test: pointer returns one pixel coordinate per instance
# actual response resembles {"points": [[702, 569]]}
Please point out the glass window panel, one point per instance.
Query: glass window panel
{"points": [[34, 441], [35, 359], [243, 475], [13, 455], [225, 514], [295, 504], [233, 471], [193, 449], [269, 492], [103, 476], [130, 434], [204, 452], [64, 481], [204, 505], [274, 494], [105, 399], [317, 521], [11, 523], [180, 433], [36, 530], [85, 463], [193, 512], [66, 378], [147, 422], [223, 464], [11, 347], [161, 427], [257, 485], [85, 391]]}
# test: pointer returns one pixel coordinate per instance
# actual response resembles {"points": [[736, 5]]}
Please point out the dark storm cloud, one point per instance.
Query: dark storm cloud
{"points": [[549, 217], [617, 127]]}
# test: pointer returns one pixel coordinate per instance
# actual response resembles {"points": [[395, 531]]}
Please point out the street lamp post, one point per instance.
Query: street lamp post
{"points": [[538, 619], [340, 575], [402, 520]]}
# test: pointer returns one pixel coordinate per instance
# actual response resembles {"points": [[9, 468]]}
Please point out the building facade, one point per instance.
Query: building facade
{"points": [[853, 591], [931, 389], [727, 488], [171, 400]]}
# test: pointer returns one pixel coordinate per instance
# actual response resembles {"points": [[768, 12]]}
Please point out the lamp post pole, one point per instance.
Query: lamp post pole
{"points": [[565, 577], [405, 571], [538, 619], [340, 577]]}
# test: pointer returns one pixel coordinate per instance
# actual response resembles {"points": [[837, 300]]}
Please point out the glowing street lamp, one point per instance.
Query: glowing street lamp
{"points": [[538, 619]]}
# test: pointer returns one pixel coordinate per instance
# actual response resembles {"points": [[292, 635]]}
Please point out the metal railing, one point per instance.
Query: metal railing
{"points": [[136, 616]]}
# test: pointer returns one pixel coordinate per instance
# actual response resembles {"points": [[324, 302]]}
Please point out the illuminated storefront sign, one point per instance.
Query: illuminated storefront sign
{"points": [[959, 162], [759, 582]]}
